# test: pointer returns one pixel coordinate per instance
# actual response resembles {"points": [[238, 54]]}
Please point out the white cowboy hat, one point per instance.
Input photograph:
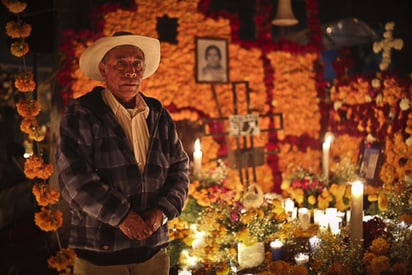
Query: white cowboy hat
{"points": [[93, 55]]}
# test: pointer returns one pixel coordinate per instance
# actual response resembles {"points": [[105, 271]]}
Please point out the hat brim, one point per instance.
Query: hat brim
{"points": [[93, 55]]}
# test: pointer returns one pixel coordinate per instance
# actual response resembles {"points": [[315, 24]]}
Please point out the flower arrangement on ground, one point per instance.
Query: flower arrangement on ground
{"points": [[216, 209]]}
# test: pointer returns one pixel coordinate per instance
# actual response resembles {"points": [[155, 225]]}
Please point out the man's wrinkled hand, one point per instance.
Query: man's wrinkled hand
{"points": [[153, 218], [135, 228]]}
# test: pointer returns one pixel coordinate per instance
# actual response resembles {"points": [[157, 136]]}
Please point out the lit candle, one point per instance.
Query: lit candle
{"points": [[314, 243], [356, 215], [197, 158], [289, 207], [301, 258], [325, 154], [323, 222], [185, 272], [276, 248], [304, 218], [317, 213], [334, 225]]}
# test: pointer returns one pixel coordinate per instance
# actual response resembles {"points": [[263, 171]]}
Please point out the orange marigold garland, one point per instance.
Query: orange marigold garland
{"points": [[14, 6], [25, 83], [45, 194], [48, 220], [34, 167], [19, 48], [18, 29], [28, 108], [63, 259]]}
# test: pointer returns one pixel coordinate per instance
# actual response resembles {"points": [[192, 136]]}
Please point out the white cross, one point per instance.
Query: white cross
{"points": [[386, 45]]}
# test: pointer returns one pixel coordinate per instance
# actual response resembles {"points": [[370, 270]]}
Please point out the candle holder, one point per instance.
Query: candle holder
{"points": [[276, 247]]}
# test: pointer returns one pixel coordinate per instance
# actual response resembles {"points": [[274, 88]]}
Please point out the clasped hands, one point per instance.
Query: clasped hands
{"points": [[141, 227]]}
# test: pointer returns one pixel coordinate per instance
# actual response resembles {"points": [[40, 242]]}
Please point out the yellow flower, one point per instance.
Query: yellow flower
{"points": [[383, 201], [312, 200]]}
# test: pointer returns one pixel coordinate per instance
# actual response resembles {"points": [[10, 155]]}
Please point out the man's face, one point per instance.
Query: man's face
{"points": [[122, 69]]}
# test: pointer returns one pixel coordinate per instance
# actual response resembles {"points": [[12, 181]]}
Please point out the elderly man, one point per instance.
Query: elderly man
{"points": [[122, 167]]}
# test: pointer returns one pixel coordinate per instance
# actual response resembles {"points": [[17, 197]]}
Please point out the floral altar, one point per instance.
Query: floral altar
{"points": [[216, 226]]}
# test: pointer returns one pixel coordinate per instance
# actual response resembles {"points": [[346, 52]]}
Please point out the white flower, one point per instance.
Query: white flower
{"points": [[404, 104], [379, 99], [337, 105], [376, 83], [409, 141], [370, 138], [368, 98]]}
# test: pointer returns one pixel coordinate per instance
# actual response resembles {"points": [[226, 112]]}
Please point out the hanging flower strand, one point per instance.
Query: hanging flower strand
{"points": [[48, 218]]}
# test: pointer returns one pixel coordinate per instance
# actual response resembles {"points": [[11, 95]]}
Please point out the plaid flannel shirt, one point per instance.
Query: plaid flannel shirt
{"points": [[100, 180]]}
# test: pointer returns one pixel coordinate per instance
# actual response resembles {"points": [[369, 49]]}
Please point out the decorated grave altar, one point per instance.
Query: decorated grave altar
{"points": [[227, 229]]}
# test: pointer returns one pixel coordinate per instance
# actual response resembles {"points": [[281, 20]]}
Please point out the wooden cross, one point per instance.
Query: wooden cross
{"points": [[386, 45], [244, 128]]}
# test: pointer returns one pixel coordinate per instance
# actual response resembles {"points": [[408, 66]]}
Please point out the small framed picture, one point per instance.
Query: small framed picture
{"points": [[212, 60], [370, 161]]}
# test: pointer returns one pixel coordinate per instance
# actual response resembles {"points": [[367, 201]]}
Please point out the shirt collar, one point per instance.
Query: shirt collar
{"points": [[115, 105]]}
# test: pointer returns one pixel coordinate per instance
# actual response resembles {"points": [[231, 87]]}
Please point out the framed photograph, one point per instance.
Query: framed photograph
{"points": [[370, 161], [212, 60]]}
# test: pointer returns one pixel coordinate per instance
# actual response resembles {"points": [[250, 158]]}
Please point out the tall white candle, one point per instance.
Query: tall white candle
{"points": [[325, 155], [356, 214], [197, 158]]}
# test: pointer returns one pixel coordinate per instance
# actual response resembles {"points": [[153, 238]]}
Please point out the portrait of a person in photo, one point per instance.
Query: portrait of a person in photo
{"points": [[214, 70]]}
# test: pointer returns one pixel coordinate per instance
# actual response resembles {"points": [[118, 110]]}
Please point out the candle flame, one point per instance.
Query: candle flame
{"points": [[328, 138], [357, 188], [197, 145]]}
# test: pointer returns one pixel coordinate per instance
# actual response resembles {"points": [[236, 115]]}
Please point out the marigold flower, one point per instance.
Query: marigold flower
{"points": [[312, 200], [379, 246], [18, 30], [383, 201], [45, 194], [299, 270], [34, 167], [367, 258], [279, 267], [14, 6], [407, 219], [25, 83], [47, 220], [336, 269], [63, 259], [28, 108], [19, 48], [379, 265]]}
